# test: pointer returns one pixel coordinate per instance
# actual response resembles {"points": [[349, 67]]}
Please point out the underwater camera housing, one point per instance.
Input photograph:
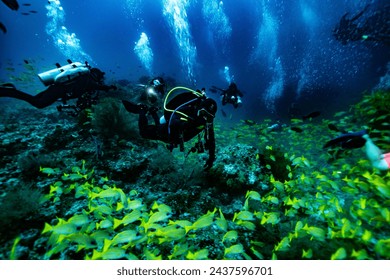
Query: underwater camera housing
{"points": [[64, 74]]}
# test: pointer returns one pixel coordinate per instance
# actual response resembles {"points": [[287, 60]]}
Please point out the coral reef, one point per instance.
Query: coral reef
{"points": [[111, 121], [265, 197], [19, 209], [237, 169]]}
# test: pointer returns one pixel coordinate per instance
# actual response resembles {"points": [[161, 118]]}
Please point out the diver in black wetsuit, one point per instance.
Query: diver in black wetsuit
{"points": [[374, 27], [153, 92], [77, 81], [185, 116], [230, 95]]}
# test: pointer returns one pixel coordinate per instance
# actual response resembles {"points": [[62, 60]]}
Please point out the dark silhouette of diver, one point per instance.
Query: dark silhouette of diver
{"points": [[186, 115], [361, 139], [73, 81], [373, 27], [230, 95]]}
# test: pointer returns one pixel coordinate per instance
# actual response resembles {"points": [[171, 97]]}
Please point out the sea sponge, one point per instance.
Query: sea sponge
{"points": [[110, 120]]}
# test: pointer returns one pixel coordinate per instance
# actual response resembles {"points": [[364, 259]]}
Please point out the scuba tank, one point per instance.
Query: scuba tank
{"points": [[63, 74], [173, 103]]}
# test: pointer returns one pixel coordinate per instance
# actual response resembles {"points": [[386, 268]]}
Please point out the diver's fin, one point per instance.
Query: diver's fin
{"points": [[58, 65], [8, 85]]}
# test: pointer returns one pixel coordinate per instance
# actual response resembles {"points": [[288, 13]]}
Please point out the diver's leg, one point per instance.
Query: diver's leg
{"points": [[14, 93], [175, 131], [146, 130], [41, 100]]}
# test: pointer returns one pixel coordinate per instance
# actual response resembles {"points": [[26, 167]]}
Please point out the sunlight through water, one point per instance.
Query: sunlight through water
{"points": [[66, 42]]}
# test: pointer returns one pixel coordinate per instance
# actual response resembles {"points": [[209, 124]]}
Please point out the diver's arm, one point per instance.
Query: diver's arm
{"points": [[360, 14], [91, 83]]}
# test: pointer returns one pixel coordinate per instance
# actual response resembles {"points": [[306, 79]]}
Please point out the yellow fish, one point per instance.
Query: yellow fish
{"points": [[61, 228], [128, 219], [126, 236], [204, 221], [110, 254], [340, 254], [234, 249], [170, 233], [230, 236], [199, 255], [178, 250]]}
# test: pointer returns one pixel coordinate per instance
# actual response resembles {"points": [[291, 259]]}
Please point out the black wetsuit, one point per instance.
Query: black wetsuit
{"points": [[179, 128], [231, 91], [71, 90]]}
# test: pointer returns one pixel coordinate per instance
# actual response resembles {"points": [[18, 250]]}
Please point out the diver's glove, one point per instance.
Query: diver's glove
{"points": [[209, 163]]}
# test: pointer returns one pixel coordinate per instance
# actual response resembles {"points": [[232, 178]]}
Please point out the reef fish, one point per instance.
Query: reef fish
{"points": [[312, 115], [12, 4], [333, 127], [348, 140], [249, 122], [2, 27], [296, 129]]}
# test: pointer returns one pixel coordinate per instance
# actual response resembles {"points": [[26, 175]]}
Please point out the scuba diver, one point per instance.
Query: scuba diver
{"points": [[153, 92], [186, 115], [361, 139], [375, 27], [74, 80], [230, 95]]}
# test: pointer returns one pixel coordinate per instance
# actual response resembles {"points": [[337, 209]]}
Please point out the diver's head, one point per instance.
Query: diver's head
{"points": [[233, 85], [97, 75], [159, 84], [158, 81]]}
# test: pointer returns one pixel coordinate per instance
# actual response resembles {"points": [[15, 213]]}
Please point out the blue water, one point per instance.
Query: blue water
{"points": [[278, 52]]}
